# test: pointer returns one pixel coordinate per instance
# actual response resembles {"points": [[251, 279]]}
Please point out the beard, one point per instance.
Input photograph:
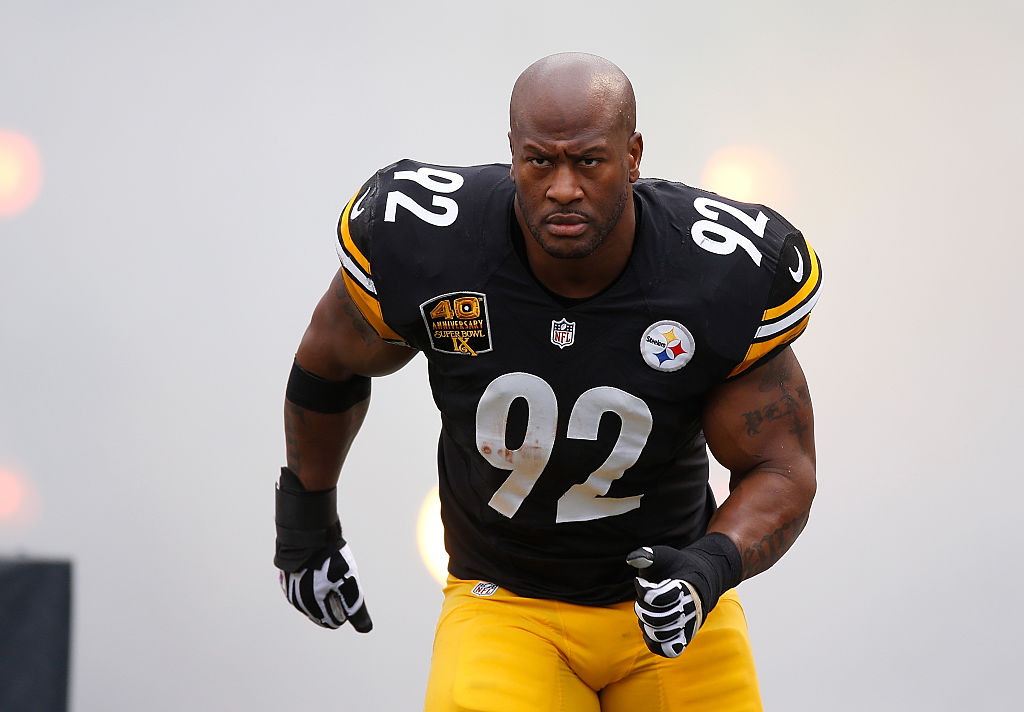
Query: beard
{"points": [[574, 248]]}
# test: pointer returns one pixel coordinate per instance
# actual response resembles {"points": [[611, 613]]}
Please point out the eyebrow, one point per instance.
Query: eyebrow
{"points": [[585, 150]]}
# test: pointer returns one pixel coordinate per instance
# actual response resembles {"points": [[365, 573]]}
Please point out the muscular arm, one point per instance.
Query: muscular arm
{"points": [[761, 427], [338, 344]]}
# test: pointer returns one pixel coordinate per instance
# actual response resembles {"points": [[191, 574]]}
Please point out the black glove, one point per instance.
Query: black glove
{"points": [[318, 572], [677, 588]]}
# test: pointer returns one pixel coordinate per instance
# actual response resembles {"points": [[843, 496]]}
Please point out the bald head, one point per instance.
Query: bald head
{"points": [[567, 86], [575, 155]]}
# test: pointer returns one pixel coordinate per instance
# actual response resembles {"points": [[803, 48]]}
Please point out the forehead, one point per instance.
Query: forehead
{"points": [[586, 141], [566, 116]]}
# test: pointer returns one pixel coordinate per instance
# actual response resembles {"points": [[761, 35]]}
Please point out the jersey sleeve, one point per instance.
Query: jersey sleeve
{"points": [[793, 294], [354, 245]]}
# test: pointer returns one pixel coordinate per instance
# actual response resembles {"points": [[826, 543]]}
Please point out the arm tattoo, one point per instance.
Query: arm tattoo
{"points": [[293, 417], [784, 407], [761, 554], [366, 332], [775, 377]]}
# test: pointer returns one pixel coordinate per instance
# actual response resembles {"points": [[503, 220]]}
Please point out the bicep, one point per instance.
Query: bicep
{"points": [[763, 419], [340, 342]]}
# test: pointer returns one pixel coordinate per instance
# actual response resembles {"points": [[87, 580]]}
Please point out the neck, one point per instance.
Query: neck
{"points": [[585, 276]]}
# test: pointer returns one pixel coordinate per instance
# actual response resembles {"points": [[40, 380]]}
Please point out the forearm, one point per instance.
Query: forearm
{"points": [[765, 513], [317, 443]]}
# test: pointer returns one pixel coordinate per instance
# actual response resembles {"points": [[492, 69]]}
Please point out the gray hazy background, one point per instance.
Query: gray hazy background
{"points": [[196, 158]]}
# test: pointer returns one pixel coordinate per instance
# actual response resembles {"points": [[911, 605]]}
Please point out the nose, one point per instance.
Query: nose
{"points": [[564, 187]]}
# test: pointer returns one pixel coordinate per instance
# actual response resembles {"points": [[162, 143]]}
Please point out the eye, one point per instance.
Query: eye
{"points": [[539, 162], [589, 162]]}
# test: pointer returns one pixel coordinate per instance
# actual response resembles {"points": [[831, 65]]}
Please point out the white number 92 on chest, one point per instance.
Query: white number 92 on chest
{"points": [[457, 323]]}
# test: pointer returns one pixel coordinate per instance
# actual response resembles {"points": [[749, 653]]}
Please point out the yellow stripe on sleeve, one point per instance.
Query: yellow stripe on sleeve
{"points": [[367, 304], [759, 349], [370, 309], [346, 238], [809, 285]]}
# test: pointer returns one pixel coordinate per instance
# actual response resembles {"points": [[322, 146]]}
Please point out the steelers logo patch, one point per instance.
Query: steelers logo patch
{"points": [[667, 346]]}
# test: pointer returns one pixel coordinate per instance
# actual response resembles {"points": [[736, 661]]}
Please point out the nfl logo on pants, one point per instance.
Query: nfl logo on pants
{"points": [[562, 332]]}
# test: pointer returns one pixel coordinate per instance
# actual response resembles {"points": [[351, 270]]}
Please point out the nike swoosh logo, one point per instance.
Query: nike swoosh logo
{"points": [[798, 273], [356, 209]]}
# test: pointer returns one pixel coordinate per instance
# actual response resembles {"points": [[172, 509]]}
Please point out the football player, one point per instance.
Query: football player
{"points": [[590, 335]]}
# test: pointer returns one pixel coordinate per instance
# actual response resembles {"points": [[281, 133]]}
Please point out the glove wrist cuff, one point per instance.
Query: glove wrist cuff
{"points": [[307, 523], [722, 566], [298, 508]]}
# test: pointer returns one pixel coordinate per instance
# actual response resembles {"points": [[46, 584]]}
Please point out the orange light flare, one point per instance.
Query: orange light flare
{"points": [[430, 533], [21, 173], [19, 504], [744, 173]]}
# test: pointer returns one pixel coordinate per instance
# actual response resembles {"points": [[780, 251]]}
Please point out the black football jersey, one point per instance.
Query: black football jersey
{"points": [[571, 429]]}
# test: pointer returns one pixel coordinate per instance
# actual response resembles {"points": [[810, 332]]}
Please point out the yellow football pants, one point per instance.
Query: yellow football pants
{"points": [[505, 653]]}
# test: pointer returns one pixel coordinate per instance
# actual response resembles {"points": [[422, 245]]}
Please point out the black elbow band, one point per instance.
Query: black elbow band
{"points": [[309, 391], [307, 523]]}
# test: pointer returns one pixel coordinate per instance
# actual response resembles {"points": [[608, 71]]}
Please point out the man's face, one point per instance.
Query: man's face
{"points": [[573, 177]]}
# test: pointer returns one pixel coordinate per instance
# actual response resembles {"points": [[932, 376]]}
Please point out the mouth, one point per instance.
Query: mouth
{"points": [[566, 224]]}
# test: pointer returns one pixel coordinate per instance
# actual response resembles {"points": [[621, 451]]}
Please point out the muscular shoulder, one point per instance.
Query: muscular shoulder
{"points": [[412, 220], [759, 277]]}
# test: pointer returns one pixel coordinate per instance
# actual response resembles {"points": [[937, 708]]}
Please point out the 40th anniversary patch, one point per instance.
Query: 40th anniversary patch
{"points": [[457, 323]]}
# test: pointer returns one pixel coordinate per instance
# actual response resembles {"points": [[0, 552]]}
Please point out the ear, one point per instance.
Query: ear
{"points": [[635, 150], [512, 150]]}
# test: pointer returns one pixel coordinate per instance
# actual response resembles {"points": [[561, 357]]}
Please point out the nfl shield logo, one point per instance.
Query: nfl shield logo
{"points": [[484, 588], [562, 332]]}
